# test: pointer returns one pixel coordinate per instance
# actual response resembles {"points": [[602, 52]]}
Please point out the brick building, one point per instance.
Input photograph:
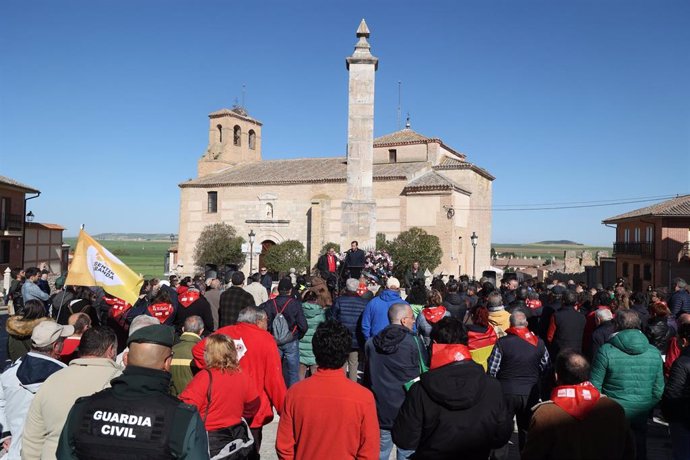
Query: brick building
{"points": [[651, 246], [12, 221]]}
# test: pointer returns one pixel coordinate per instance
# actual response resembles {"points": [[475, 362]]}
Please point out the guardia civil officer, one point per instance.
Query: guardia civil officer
{"points": [[136, 417]]}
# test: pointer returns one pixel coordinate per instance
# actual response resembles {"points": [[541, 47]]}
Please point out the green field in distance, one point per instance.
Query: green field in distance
{"points": [[144, 257]]}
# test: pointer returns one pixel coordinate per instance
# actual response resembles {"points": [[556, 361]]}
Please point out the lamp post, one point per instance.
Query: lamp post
{"points": [[172, 238], [251, 251], [30, 216], [474, 239]]}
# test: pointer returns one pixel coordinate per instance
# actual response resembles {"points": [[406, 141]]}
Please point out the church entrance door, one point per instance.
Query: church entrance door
{"points": [[265, 246]]}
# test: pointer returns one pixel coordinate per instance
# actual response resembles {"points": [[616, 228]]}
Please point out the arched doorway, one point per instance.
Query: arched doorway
{"points": [[265, 246]]}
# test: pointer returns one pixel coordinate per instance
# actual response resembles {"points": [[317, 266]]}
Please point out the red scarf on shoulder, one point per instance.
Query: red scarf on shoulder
{"points": [[189, 298], [446, 353], [524, 333], [577, 400], [434, 314], [161, 311]]}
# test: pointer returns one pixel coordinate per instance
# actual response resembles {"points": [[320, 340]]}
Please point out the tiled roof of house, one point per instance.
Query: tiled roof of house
{"points": [[13, 183], [432, 181], [399, 137], [409, 137], [448, 163], [675, 207], [299, 171], [238, 112]]}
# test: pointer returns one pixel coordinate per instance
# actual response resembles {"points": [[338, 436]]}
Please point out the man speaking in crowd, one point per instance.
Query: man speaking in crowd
{"points": [[355, 259]]}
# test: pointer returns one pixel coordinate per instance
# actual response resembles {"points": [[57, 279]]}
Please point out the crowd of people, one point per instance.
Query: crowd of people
{"points": [[195, 369]]}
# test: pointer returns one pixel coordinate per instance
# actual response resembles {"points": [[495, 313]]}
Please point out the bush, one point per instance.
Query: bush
{"points": [[286, 255], [218, 244], [415, 245], [382, 244], [328, 246]]}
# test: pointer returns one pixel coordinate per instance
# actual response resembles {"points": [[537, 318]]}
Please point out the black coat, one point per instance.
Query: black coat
{"points": [[456, 304], [570, 327], [392, 360], [355, 258], [601, 335], [659, 333], [455, 411], [200, 307], [675, 404]]}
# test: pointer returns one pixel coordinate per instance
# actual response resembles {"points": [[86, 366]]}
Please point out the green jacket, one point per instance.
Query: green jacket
{"points": [[629, 370], [314, 315], [187, 436], [181, 368]]}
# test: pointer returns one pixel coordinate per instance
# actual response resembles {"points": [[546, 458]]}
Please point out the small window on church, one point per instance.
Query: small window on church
{"points": [[237, 131], [392, 156], [220, 133], [252, 139], [212, 202]]}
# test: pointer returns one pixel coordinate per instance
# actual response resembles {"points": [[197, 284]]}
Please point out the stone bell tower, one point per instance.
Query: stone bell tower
{"points": [[358, 220]]}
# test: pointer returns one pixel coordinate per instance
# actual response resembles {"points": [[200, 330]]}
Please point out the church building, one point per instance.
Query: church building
{"points": [[384, 185]]}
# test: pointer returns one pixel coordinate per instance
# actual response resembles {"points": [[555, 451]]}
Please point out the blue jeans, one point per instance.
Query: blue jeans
{"points": [[680, 441], [289, 355], [387, 446]]}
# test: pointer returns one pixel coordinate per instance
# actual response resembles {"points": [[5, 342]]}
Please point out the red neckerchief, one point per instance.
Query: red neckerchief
{"points": [[476, 340], [533, 304], [576, 400], [161, 311], [181, 290], [189, 298], [434, 314], [331, 263], [524, 333], [446, 353], [118, 307], [362, 289]]}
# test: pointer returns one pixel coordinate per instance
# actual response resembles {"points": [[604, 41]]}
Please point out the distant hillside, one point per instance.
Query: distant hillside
{"points": [[559, 242], [133, 236]]}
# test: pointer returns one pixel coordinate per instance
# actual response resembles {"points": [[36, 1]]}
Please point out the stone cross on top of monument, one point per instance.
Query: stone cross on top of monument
{"points": [[359, 208]]}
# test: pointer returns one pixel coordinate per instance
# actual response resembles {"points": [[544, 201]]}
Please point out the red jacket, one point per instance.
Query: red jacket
{"points": [[328, 416], [261, 362], [233, 396]]}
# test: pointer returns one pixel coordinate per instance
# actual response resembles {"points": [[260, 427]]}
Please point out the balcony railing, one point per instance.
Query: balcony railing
{"points": [[11, 222], [634, 249]]}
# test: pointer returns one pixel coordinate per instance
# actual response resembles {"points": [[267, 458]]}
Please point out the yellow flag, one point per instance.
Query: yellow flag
{"points": [[94, 265]]}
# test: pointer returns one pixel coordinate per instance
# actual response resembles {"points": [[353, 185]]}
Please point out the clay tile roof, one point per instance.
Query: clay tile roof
{"points": [[400, 137], [448, 163], [13, 183], [675, 207], [299, 171], [237, 112], [432, 181], [45, 225]]}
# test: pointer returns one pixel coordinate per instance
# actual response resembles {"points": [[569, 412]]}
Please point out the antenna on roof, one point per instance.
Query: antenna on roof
{"points": [[407, 123], [398, 119], [244, 88]]}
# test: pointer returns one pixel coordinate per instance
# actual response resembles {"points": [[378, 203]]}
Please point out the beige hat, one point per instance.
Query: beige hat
{"points": [[48, 332], [393, 283]]}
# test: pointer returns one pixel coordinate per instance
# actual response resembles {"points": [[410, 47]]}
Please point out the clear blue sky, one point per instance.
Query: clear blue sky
{"points": [[103, 105]]}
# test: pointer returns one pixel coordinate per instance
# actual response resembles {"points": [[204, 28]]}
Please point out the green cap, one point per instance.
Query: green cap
{"points": [[157, 333]]}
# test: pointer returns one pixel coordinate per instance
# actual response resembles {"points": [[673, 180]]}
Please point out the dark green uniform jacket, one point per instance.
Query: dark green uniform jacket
{"points": [[101, 424]]}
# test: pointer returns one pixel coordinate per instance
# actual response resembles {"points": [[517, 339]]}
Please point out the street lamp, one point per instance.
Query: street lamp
{"points": [[30, 216], [251, 251], [172, 238], [474, 239]]}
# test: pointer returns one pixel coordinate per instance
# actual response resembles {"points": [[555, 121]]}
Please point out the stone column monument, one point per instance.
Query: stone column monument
{"points": [[358, 220]]}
